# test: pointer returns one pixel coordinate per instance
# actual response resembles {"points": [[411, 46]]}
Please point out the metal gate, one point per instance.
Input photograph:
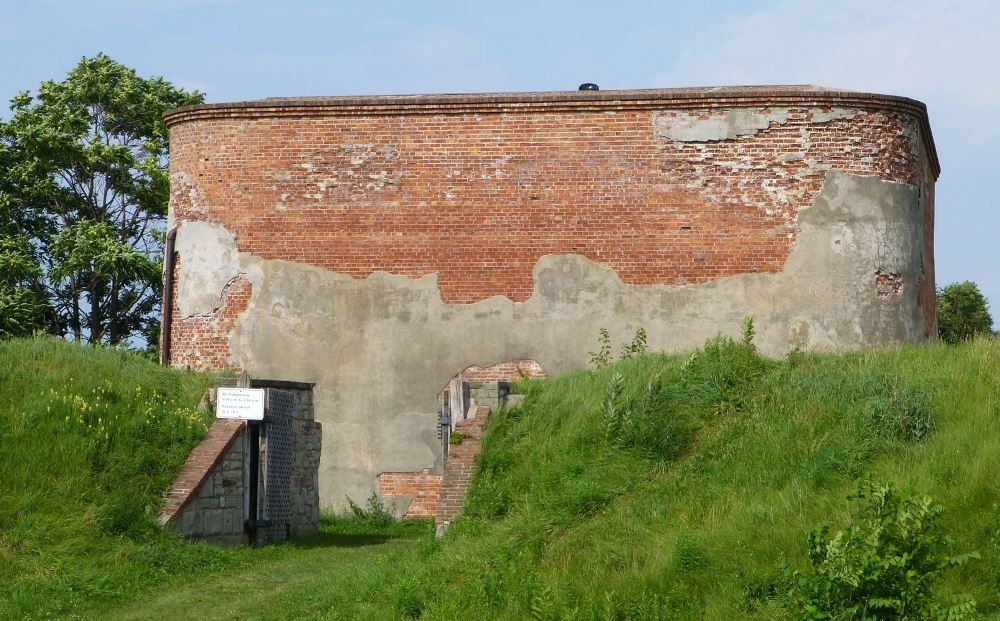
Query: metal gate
{"points": [[276, 458]]}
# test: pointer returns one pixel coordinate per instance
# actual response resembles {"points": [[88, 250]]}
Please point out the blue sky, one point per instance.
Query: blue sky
{"points": [[946, 54]]}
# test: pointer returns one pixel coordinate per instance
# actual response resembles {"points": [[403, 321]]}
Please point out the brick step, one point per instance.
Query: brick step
{"points": [[459, 468]]}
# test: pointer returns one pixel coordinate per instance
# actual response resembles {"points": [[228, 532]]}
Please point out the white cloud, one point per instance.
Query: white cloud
{"points": [[190, 85], [933, 50]]}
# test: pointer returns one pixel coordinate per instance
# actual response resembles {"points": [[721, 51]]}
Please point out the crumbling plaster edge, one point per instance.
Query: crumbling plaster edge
{"points": [[247, 268]]}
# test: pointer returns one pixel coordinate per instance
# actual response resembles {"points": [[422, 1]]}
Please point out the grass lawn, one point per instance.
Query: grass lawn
{"points": [[326, 577], [659, 487]]}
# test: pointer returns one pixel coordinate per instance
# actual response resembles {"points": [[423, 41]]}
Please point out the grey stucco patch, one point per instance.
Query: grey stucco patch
{"points": [[721, 125], [825, 116], [708, 126], [380, 348], [209, 261]]}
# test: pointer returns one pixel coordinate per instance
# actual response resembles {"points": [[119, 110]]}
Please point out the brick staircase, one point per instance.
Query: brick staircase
{"points": [[458, 468]]}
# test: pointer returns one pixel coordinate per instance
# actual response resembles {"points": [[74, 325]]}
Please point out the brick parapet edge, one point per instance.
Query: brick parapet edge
{"points": [[564, 101], [199, 465], [459, 467]]}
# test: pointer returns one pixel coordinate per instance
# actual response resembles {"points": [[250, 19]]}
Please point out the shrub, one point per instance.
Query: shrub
{"points": [[883, 566], [962, 312], [658, 417], [602, 357], [637, 347], [374, 514], [903, 412], [654, 420], [725, 372]]}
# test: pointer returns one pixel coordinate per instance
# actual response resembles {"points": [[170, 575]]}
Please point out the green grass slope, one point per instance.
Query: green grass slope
{"points": [[89, 441], [660, 487], [678, 487]]}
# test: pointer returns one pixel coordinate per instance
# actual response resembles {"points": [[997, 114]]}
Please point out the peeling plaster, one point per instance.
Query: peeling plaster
{"points": [[380, 348], [710, 126], [722, 125], [209, 262], [182, 186]]}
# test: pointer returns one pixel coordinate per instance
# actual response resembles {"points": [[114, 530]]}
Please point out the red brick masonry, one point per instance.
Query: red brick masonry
{"points": [[511, 371], [203, 342], [423, 488], [480, 197], [459, 467], [477, 188], [199, 465]]}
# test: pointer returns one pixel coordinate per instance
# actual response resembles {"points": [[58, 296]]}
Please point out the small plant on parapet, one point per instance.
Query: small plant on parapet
{"points": [[637, 347], [602, 357]]}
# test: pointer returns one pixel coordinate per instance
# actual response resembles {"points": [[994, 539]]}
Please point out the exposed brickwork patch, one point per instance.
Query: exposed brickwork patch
{"points": [[202, 342], [510, 371], [423, 488], [888, 285]]}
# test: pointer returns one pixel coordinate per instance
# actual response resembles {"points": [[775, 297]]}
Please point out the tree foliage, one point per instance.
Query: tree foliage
{"points": [[962, 312], [83, 199]]}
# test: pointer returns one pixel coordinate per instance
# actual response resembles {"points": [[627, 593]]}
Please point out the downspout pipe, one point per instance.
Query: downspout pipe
{"points": [[168, 297]]}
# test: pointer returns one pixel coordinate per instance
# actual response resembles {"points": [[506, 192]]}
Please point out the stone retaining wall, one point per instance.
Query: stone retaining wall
{"points": [[207, 501]]}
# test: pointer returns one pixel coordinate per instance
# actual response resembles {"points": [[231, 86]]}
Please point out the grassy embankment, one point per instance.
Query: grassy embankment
{"points": [[658, 487]]}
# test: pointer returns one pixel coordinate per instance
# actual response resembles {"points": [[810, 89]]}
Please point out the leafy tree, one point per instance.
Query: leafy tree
{"points": [[21, 308], [83, 199], [962, 312]]}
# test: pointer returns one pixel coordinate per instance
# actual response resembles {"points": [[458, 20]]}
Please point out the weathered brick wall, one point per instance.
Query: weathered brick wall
{"points": [[510, 371], [478, 198], [926, 294], [203, 342], [403, 239], [422, 489]]}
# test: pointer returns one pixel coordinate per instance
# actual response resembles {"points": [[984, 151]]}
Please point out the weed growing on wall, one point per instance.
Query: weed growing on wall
{"points": [[602, 357], [374, 513], [637, 347]]}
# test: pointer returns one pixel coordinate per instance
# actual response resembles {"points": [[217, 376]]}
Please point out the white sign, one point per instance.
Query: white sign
{"points": [[240, 403]]}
